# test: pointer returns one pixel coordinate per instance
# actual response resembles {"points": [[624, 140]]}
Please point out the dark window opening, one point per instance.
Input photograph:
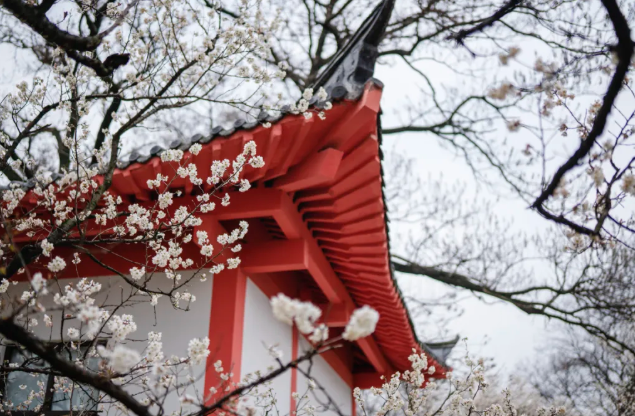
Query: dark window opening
{"points": [[35, 391]]}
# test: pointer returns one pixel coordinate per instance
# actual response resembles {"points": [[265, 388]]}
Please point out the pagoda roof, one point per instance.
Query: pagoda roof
{"points": [[342, 205], [330, 173]]}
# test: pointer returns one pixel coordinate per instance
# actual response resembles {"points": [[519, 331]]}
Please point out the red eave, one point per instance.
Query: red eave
{"points": [[322, 186]]}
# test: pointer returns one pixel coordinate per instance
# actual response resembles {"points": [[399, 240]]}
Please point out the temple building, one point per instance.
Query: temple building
{"points": [[318, 231]]}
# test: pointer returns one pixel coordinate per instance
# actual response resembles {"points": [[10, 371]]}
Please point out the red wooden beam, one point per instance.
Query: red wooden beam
{"points": [[318, 170], [273, 256], [359, 123], [337, 315], [368, 380], [271, 148], [273, 202], [318, 266], [374, 355], [257, 203], [291, 224], [272, 284], [341, 360], [268, 202], [291, 152]]}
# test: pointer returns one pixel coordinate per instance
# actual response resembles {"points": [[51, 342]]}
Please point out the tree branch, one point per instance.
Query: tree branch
{"points": [[37, 21], [19, 335], [546, 309], [500, 13], [624, 52]]}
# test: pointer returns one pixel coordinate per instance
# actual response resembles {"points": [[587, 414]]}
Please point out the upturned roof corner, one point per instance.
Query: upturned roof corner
{"points": [[354, 64]]}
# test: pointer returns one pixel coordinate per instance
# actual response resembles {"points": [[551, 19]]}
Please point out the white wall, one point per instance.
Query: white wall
{"points": [[178, 327], [260, 331], [339, 392]]}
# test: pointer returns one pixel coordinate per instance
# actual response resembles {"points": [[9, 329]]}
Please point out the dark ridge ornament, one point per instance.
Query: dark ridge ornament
{"points": [[354, 64], [343, 78]]}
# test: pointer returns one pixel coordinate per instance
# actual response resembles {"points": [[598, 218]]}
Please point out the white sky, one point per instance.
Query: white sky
{"points": [[494, 329]]}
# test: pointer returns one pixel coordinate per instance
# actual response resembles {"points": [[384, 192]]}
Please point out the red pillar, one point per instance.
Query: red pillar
{"points": [[295, 340], [226, 327]]}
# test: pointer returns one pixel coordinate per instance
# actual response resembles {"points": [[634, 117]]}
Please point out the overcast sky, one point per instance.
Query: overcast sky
{"points": [[493, 329]]}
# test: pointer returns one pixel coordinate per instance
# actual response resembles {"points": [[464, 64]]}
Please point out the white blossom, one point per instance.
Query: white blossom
{"points": [[154, 351], [307, 94], [187, 399], [362, 323], [198, 350], [207, 250], [46, 247], [56, 265], [257, 162], [137, 273], [154, 299], [39, 284], [597, 175], [628, 184], [165, 200], [4, 286], [244, 185], [172, 155], [233, 263], [290, 311], [322, 94], [121, 326], [121, 359], [320, 334]]}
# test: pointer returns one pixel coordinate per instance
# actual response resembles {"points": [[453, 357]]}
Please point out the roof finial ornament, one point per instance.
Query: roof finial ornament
{"points": [[354, 64]]}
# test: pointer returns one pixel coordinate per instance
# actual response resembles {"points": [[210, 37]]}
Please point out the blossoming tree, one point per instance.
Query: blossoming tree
{"points": [[106, 75], [106, 71]]}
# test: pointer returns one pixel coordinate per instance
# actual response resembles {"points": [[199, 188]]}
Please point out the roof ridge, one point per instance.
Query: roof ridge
{"points": [[354, 64]]}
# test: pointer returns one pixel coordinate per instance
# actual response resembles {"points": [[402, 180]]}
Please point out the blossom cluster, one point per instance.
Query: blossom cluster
{"points": [[304, 315], [166, 230], [414, 392]]}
